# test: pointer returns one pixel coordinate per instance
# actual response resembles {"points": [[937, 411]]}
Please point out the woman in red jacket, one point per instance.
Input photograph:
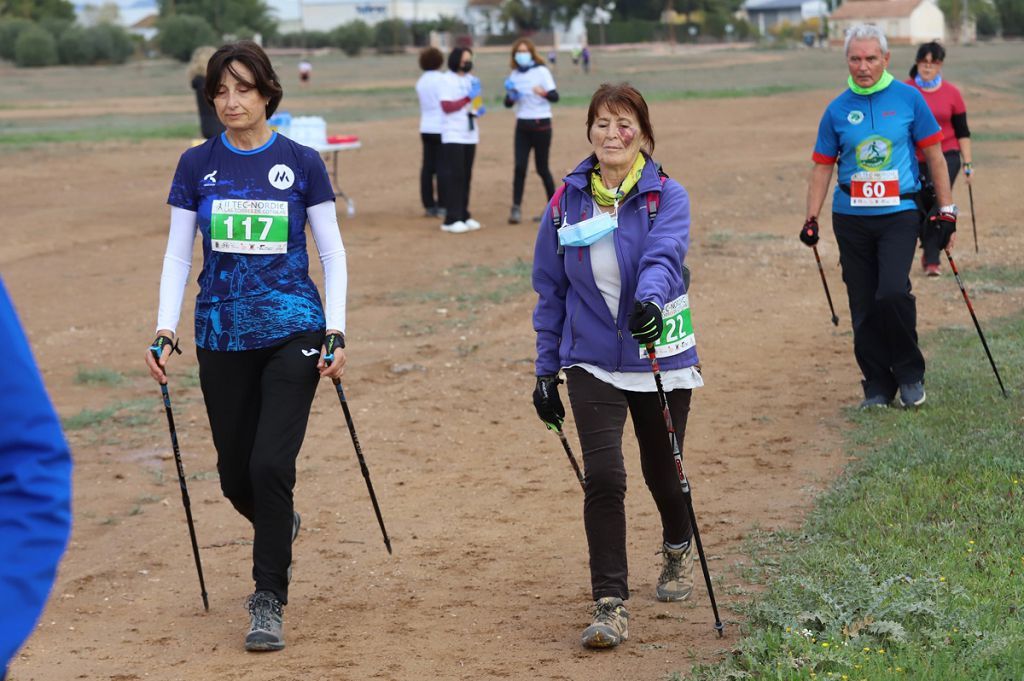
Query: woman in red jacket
{"points": [[948, 107]]}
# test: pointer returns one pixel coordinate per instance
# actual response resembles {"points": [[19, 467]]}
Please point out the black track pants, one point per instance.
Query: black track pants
{"points": [[456, 177], [429, 170], [258, 403], [930, 237], [535, 135], [876, 254], [599, 411]]}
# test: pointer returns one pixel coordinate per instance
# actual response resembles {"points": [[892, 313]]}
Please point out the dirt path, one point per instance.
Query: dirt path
{"points": [[489, 577]]}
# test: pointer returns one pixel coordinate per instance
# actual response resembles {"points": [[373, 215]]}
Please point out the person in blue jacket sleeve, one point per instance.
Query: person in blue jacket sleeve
{"points": [[608, 271], [35, 488]]}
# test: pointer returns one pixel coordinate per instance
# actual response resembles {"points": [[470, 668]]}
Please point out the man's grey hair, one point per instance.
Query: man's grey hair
{"points": [[866, 32]]}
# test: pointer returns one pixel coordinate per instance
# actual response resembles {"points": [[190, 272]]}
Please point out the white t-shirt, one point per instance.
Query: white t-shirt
{"points": [[458, 127], [428, 87], [530, 104], [605, 265]]}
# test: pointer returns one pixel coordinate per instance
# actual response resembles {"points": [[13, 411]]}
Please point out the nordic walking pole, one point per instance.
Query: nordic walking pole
{"points": [[685, 484], [974, 225], [157, 350], [970, 308], [568, 453], [821, 271], [359, 455]]}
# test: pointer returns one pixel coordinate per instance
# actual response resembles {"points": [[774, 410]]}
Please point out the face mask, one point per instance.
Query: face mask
{"points": [[524, 59], [467, 66], [588, 231]]}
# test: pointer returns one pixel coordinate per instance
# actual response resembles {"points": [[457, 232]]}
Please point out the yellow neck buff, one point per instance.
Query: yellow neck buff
{"points": [[605, 196]]}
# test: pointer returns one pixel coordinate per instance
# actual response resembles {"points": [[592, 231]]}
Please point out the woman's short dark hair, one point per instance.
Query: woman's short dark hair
{"points": [[934, 49], [256, 60], [455, 58], [431, 59], [619, 98]]}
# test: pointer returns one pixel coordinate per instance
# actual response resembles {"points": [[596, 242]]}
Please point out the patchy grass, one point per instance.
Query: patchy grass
{"points": [[910, 566], [100, 376]]}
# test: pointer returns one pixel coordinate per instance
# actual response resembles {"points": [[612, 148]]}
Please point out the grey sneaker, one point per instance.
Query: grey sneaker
{"points": [[266, 629], [676, 580], [610, 626], [912, 394], [515, 216], [296, 524], [875, 401]]}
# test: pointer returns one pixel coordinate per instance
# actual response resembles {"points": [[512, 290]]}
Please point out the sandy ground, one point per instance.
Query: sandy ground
{"points": [[489, 576]]}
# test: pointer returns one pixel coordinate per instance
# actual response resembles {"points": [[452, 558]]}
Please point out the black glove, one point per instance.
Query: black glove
{"points": [[547, 403], [945, 223], [809, 232], [645, 323]]}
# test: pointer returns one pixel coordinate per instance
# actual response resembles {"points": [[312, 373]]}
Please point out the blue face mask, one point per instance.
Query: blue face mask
{"points": [[524, 59], [588, 231]]}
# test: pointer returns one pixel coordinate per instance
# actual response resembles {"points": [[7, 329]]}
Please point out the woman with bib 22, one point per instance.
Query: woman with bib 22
{"points": [[610, 280], [260, 325]]}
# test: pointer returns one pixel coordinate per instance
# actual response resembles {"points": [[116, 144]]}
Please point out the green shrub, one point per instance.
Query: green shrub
{"points": [[56, 26], [112, 44], [631, 31], [35, 47], [391, 36], [181, 34], [10, 29], [352, 37], [75, 46]]}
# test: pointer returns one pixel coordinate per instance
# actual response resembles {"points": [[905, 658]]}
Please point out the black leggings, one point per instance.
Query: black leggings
{"points": [[258, 403], [876, 253], [456, 176], [532, 134], [428, 171], [930, 237], [599, 410]]}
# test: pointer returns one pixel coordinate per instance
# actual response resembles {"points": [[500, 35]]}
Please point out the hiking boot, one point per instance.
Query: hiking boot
{"points": [[875, 401], [933, 270], [912, 394], [610, 625], [515, 216], [676, 580], [296, 523], [266, 629]]}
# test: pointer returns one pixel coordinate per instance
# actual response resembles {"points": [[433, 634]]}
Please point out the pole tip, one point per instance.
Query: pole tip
{"points": [[720, 628], [835, 320]]}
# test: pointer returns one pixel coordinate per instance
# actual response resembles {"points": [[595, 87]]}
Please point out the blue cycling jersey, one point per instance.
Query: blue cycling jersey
{"points": [[873, 137], [254, 289]]}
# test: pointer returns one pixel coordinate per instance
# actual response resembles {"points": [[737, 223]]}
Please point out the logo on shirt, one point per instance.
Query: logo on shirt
{"points": [[886, 114], [210, 179], [874, 153], [281, 176], [855, 117]]}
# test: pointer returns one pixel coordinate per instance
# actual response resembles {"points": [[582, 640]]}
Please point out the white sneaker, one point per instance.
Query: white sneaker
{"points": [[456, 227], [473, 224]]}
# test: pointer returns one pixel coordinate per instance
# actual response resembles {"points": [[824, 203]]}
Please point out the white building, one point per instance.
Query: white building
{"points": [[903, 21], [324, 15]]}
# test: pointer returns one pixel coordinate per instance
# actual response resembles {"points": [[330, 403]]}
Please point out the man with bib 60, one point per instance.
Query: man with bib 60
{"points": [[872, 130]]}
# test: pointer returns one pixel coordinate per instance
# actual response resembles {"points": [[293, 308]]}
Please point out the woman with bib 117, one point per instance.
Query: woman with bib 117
{"points": [[259, 323], [608, 271]]}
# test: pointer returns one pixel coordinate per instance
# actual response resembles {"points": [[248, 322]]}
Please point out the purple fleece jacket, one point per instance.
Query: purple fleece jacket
{"points": [[571, 319]]}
